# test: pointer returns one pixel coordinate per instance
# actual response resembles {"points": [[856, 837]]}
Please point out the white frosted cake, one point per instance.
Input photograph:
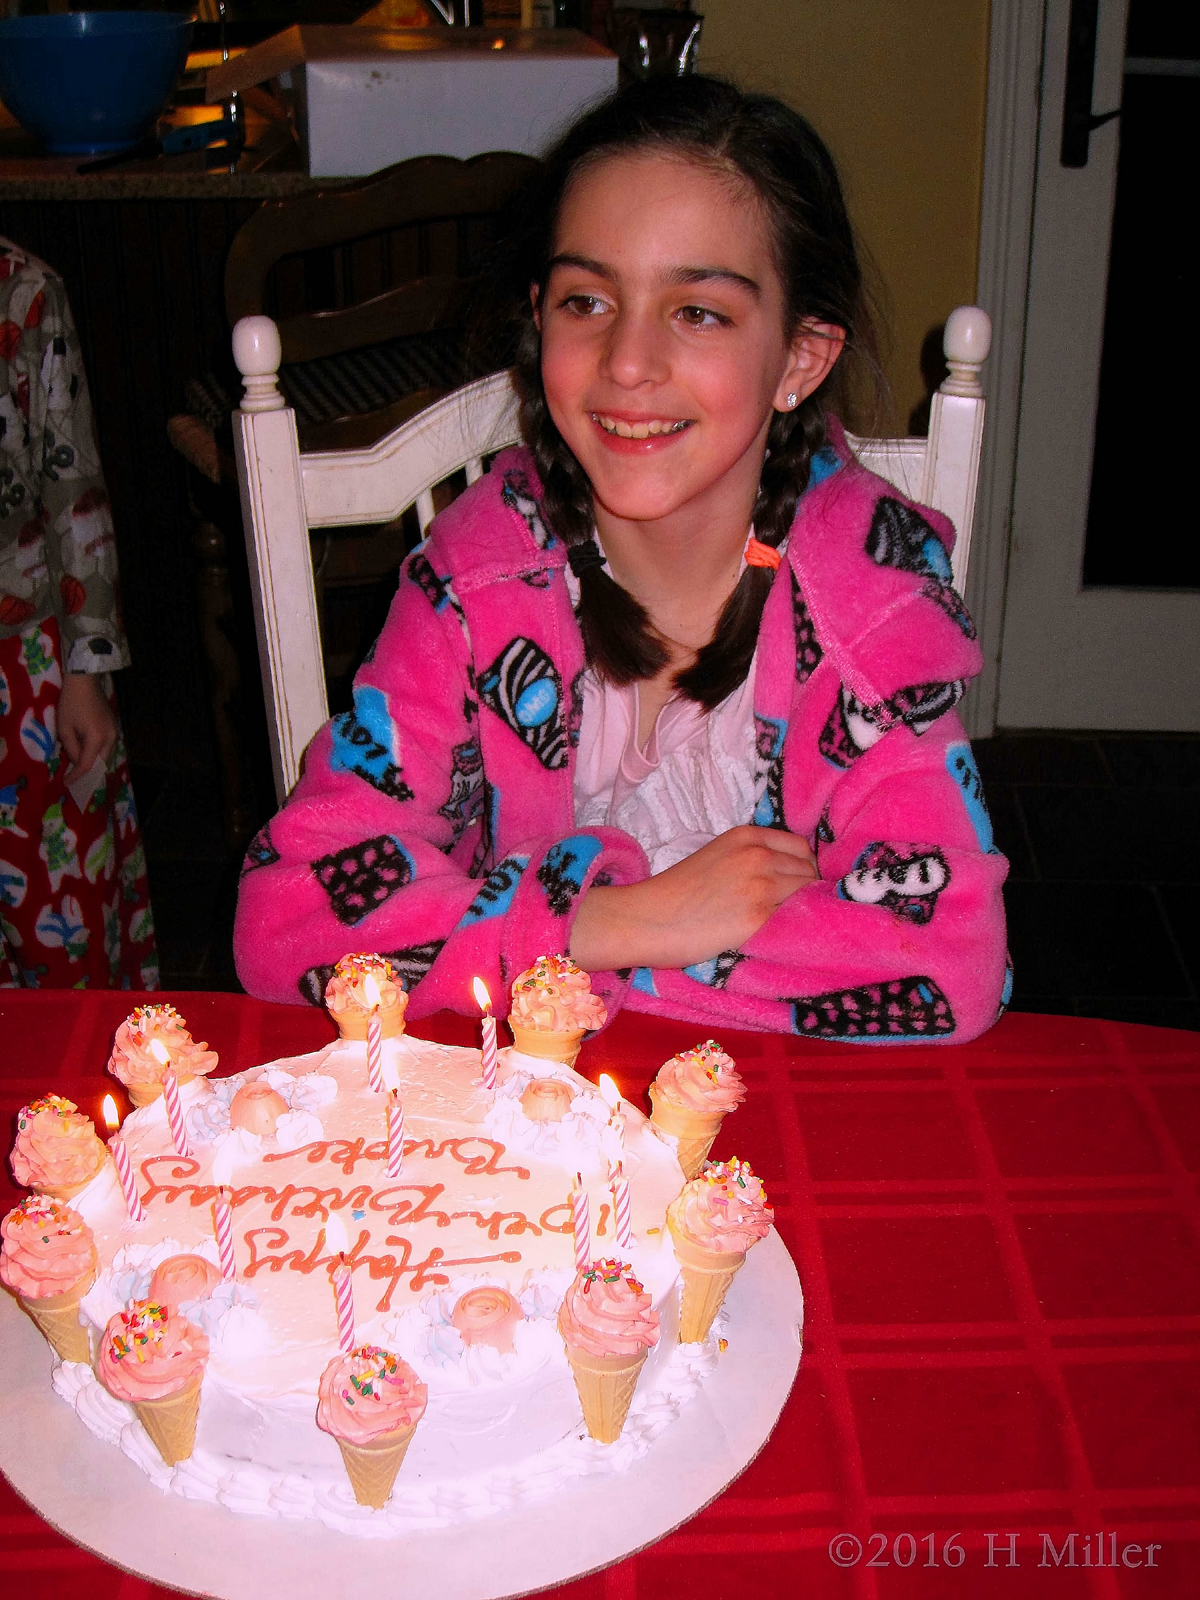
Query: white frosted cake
{"points": [[484, 1198]]}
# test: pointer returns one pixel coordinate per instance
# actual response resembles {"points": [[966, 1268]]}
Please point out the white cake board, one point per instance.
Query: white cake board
{"points": [[93, 1494]]}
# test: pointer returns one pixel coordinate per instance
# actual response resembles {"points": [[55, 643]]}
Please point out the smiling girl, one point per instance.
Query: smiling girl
{"points": [[671, 688]]}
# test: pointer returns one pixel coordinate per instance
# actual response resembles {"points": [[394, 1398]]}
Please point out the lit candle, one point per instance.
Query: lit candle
{"points": [[622, 1213], [374, 1035], [484, 1001], [133, 1204], [581, 1224], [395, 1122], [616, 1118], [343, 1286]]}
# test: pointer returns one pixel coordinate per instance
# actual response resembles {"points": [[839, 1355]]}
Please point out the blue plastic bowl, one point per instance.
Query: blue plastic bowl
{"points": [[91, 82]]}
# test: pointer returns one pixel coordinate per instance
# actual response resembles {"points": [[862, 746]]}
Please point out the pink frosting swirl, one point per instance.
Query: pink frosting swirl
{"points": [[555, 996], [148, 1352], [45, 1248], [723, 1209], [345, 991], [487, 1316], [180, 1279], [57, 1150], [369, 1393], [701, 1079], [133, 1061], [607, 1312]]}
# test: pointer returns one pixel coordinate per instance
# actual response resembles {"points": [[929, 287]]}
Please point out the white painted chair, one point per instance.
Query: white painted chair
{"points": [[285, 493]]}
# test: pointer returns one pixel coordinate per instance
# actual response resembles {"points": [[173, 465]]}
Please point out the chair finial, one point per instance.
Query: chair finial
{"points": [[256, 352], [966, 342]]}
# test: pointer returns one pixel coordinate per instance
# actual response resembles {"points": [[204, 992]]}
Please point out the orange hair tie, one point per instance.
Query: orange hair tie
{"points": [[761, 555]]}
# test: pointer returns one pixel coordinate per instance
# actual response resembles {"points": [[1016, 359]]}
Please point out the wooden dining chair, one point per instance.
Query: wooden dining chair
{"points": [[286, 492]]}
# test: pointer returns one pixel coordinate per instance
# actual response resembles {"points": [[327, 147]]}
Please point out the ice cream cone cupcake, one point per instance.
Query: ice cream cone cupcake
{"points": [[57, 1151], [691, 1096], [350, 998], [371, 1402], [137, 1053], [713, 1221], [552, 1008], [48, 1260], [608, 1326], [155, 1359]]}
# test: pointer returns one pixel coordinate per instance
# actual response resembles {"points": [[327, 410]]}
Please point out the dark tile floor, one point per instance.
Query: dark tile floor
{"points": [[1100, 830]]}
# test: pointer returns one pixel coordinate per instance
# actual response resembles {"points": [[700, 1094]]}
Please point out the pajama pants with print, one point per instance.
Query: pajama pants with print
{"points": [[74, 901]]}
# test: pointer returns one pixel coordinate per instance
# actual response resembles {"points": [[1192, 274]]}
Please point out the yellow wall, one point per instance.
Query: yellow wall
{"points": [[897, 88]]}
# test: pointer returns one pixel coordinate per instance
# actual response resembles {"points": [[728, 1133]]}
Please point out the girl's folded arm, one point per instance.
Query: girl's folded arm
{"points": [[379, 846], [909, 888]]}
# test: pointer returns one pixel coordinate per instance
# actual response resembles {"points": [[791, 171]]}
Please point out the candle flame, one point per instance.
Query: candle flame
{"points": [[482, 998], [371, 990], [109, 1112], [612, 1095], [335, 1234], [160, 1052]]}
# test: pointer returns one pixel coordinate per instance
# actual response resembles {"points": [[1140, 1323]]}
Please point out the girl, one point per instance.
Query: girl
{"points": [[671, 688]]}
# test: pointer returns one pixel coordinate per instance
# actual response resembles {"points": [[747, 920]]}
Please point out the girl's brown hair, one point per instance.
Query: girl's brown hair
{"points": [[770, 147]]}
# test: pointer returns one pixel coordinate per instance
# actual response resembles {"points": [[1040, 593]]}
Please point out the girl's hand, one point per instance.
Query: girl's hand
{"points": [[714, 900], [87, 728]]}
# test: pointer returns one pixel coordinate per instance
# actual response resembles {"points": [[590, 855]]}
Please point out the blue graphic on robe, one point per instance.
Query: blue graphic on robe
{"points": [[643, 979], [769, 734], [496, 892], [5, 699], [564, 868], [823, 465], [523, 688], [876, 1013], [716, 972], [960, 764], [900, 537], [365, 742]]}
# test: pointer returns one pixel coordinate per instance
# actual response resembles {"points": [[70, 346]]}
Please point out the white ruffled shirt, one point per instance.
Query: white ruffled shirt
{"points": [[696, 778]]}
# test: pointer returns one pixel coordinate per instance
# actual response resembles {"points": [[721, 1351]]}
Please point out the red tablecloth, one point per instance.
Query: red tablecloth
{"points": [[999, 1245]]}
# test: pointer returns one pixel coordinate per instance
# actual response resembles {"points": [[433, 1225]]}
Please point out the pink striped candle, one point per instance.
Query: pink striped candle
{"points": [[175, 1113], [374, 1036], [223, 1221], [484, 1001], [581, 1224], [133, 1204], [395, 1122], [622, 1212], [343, 1289]]}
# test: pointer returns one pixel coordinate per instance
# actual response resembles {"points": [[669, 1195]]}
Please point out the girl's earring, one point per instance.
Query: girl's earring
{"points": [[793, 400]]}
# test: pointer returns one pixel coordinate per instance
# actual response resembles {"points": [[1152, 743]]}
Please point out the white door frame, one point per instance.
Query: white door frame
{"points": [[1006, 219]]}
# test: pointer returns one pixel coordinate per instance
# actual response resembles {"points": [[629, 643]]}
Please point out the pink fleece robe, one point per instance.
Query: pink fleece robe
{"points": [[434, 822]]}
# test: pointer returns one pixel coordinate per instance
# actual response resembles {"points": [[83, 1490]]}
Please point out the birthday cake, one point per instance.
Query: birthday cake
{"points": [[390, 1284]]}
